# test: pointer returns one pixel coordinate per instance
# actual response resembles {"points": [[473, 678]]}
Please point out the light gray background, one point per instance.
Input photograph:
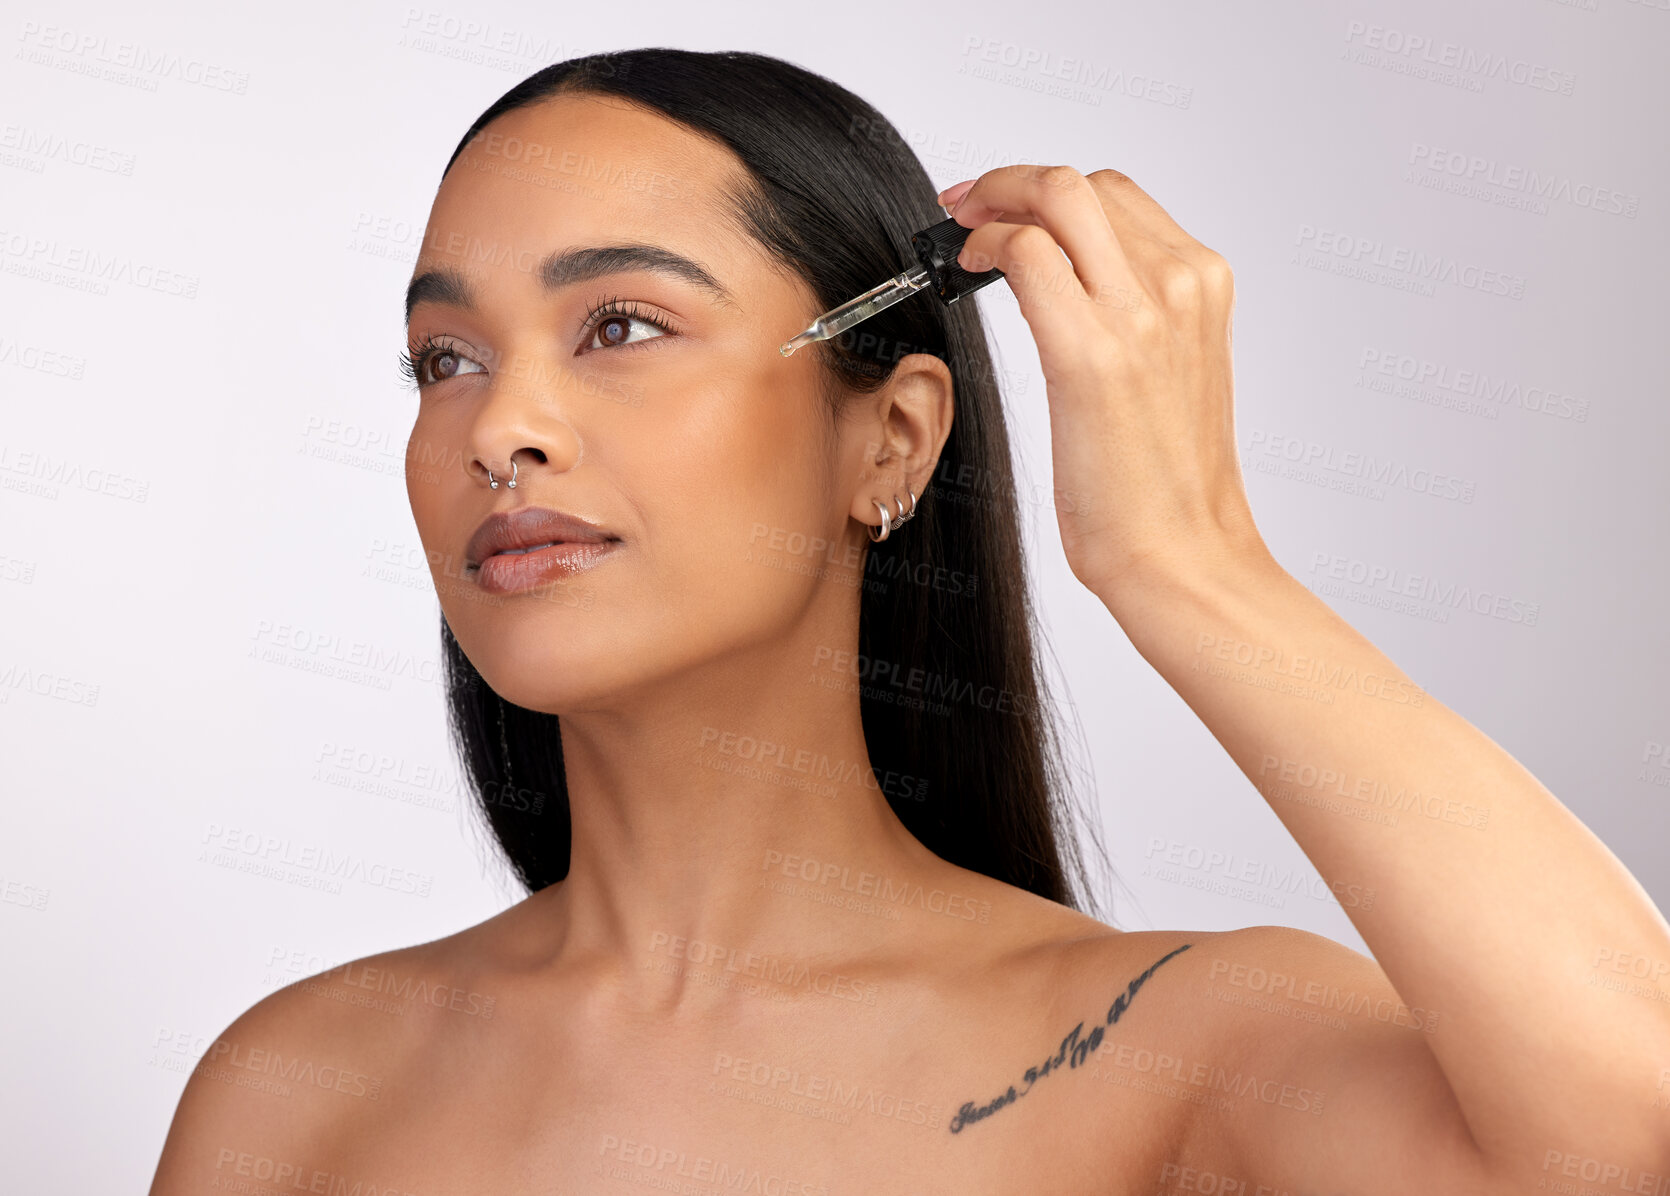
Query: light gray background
{"points": [[262, 423]]}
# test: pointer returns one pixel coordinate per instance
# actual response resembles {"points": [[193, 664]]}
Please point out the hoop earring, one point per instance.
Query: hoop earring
{"points": [[910, 514], [891, 523], [886, 524], [493, 483]]}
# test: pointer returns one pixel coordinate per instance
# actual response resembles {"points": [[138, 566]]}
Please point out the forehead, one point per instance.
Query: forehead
{"points": [[583, 170]]}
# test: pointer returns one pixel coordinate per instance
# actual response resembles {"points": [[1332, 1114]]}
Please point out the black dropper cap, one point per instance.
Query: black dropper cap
{"points": [[936, 247]]}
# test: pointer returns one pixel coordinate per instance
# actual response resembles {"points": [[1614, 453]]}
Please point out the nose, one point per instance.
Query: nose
{"points": [[492, 471], [514, 427], [493, 482]]}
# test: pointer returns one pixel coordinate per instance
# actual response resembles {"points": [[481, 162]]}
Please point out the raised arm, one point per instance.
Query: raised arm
{"points": [[1503, 924], [1496, 912]]}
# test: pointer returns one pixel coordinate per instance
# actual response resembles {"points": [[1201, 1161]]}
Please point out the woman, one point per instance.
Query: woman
{"points": [[742, 675]]}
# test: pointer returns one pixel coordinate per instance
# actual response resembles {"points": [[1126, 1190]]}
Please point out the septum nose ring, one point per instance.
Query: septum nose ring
{"points": [[493, 482]]}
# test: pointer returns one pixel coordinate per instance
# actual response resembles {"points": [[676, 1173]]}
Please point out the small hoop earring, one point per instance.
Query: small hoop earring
{"points": [[886, 524], [892, 523], [910, 514]]}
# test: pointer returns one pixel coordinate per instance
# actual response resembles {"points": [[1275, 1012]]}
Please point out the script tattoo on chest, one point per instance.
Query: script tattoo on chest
{"points": [[1074, 1050]]}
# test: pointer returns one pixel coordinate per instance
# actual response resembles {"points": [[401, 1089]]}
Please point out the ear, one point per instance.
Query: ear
{"points": [[898, 432]]}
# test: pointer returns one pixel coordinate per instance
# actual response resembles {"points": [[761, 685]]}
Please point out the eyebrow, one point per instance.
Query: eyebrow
{"points": [[565, 267]]}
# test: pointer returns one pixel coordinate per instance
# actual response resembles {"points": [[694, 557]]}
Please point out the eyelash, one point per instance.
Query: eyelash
{"points": [[413, 362]]}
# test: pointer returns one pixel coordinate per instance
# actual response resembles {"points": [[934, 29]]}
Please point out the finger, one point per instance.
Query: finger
{"points": [[1177, 270], [1043, 282], [1062, 202], [1044, 274], [948, 198], [1130, 209]]}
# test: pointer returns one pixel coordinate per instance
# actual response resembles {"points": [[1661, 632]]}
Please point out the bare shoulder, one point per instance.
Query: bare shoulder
{"points": [[1062, 1024], [1187, 1045], [1209, 1001], [1266, 993], [1273, 1052], [1205, 983], [312, 1065]]}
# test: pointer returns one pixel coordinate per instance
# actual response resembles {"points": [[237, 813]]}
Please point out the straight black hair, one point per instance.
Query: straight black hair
{"points": [[956, 716]]}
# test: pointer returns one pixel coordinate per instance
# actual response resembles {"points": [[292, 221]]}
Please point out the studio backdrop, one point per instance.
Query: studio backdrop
{"points": [[221, 691]]}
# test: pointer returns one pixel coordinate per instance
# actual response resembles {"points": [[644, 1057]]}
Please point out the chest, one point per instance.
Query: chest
{"points": [[782, 1112]]}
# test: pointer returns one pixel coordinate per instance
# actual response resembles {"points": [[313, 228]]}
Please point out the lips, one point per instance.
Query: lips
{"points": [[526, 529]]}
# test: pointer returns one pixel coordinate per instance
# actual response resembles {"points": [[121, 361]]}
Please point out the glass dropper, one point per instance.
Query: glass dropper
{"points": [[838, 319], [936, 248]]}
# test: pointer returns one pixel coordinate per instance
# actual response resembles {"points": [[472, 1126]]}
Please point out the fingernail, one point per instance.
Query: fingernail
{"points": [[954, 192]]}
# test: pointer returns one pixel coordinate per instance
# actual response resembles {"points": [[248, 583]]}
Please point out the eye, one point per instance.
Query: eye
{"points": [[610, 326], [434, 361]]}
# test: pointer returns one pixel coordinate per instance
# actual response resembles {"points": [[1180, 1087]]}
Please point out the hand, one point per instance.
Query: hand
{"points": [[1133, 332]]}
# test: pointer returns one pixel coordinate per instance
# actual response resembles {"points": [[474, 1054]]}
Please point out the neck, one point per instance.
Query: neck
{"points": [[738, 815]]}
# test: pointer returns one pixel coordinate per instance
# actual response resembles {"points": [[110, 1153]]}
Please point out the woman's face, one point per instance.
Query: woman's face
{"points": [[670, 420]]}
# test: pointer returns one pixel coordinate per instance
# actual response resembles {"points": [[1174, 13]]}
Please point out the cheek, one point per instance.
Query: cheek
{"points": [[441, 495], [722, 489], [739, 458], [427, 476]]}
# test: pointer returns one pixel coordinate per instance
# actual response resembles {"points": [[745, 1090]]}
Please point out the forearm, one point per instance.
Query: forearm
{"points": [[1494, 907]]}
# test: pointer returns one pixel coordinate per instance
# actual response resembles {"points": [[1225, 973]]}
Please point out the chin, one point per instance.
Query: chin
{"points": [[552, 683]]}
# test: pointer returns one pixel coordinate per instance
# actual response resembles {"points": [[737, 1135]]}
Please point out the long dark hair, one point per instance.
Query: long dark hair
{"points": [[835, 192]]}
